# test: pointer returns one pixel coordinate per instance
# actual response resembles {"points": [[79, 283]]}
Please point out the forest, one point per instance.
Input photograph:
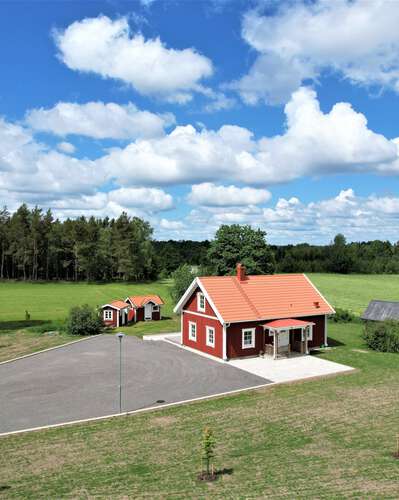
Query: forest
{"points": [[36, 246]]}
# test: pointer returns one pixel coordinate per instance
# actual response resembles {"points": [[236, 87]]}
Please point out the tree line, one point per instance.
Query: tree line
{"points": [[36, 246]]}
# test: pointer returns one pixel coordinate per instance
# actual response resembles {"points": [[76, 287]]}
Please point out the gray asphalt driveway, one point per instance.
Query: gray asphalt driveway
{"points": [[81, 381]]}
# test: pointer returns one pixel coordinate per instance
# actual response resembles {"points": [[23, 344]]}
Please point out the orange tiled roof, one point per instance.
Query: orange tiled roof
{"points": [[140, 300], [287, 323], [118, 304], [264, 297]]}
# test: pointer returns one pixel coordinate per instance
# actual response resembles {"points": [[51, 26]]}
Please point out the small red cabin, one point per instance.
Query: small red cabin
{"points": [[135, 308], [241, 315]]}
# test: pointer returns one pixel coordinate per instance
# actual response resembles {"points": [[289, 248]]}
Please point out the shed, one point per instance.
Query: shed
{"points": [[380, 310]]}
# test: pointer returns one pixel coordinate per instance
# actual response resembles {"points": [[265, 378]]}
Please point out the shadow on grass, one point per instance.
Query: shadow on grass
{"points": [[19, 325], [224, 472], [334, 342]]}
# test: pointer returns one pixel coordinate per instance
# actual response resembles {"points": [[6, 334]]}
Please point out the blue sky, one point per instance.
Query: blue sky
{"points": [[282, 115]]}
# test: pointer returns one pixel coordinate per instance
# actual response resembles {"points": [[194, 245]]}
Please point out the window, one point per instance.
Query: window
{"points": [[155, 308], [248, 338], [308, 333], [210, 336], [200, 302], [192, 331], [108, 313]]}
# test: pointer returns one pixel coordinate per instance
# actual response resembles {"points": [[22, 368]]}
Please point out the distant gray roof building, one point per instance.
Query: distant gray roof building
{"points": [[379, 310]]}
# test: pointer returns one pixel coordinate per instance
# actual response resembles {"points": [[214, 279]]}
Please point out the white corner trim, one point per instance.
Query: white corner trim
{"points": [[224, 349], [325, 331], [321, 295]]}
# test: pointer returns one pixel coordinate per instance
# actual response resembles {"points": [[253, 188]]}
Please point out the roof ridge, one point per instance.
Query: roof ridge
{"points": [[245, 296]]}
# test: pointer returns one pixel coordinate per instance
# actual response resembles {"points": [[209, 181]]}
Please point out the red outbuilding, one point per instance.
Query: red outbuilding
{"points": [[115, 314], [145, 307], [241, 315], [132, 309]]}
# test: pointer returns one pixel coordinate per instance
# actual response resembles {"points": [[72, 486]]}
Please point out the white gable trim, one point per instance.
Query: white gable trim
{"points": [[114, 307], [127, 300], [321, 295], [196, 283]]}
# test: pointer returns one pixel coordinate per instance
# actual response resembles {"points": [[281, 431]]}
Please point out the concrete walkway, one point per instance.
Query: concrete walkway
{"points": [[296, 367], [289, 369]]}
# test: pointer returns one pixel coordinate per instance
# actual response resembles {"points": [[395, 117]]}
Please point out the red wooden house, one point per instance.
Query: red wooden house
{"points": [[241, 315], [132, 309]]}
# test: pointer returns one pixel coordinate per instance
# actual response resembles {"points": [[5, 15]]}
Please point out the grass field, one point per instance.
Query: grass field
{"points": [[329, 438], [49, 303]]}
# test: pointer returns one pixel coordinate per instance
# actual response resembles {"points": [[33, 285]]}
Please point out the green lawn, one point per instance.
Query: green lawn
{"points": [[48, 305], [354, 291], [328, 438]]}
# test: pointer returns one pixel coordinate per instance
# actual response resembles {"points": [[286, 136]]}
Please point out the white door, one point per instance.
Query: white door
{"points": [[283, 338], [148, 311]]}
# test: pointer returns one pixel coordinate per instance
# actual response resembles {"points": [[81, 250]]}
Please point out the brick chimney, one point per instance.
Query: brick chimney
{"points": [[240, 272]]}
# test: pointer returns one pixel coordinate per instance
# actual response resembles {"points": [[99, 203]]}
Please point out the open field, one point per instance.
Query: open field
{"points": [[50, 302], [354, 291], [328, 438]]}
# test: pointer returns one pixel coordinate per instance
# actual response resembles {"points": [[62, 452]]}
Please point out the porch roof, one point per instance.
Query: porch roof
{"points": [[279, 324]]}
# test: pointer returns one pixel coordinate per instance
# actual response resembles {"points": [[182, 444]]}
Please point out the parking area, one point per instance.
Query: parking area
{"points": [[80, 381]]}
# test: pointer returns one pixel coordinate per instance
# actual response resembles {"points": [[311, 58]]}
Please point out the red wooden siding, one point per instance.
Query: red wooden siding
{"points": [[200, 343], [234, 336], [234, 339], [140, 314], [130, 315], [191, 305], [113, 322], [318, 330], [156, 315]]}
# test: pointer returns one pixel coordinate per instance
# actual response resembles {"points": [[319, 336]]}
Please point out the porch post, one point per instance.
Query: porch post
{"points": [[275, 344], [306, 343]]}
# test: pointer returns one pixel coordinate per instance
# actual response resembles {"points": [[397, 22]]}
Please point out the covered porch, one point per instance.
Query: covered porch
{"points": [[286, 337]]}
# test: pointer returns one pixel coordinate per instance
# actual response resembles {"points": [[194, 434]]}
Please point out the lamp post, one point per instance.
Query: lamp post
{"points": [[120, 336]]}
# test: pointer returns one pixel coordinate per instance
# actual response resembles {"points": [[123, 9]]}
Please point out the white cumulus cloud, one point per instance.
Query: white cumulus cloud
{"points": [[209, 194], [98, 120], [66, 147], [357, 39], [108, 48], [314, 143]]}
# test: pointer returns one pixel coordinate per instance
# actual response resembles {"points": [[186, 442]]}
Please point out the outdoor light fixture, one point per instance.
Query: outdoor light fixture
{"points": [[120, 336]]}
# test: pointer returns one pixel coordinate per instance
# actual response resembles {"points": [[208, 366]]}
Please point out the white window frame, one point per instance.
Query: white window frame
{"points": [[200, 296], [210, 343], [155, 308], [308, 332], [191, 336], [248, 346], [108, 314]]}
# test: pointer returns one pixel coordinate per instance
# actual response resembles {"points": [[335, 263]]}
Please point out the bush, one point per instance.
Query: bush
{"points": [[382, 336], [342, 316], [84, 320]]}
